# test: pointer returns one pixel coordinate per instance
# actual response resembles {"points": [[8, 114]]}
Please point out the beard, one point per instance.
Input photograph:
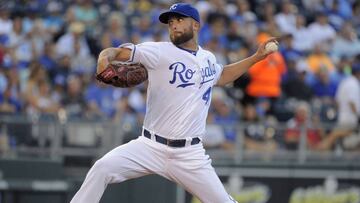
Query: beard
{"points": [[184, 37]]}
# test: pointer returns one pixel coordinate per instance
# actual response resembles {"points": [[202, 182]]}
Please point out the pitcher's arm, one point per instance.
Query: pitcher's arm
{"points": [[108, 55]]}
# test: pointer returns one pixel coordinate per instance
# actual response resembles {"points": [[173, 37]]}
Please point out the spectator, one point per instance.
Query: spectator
{"points": [[346, 44], [224, 113], [295, 86], [85, 12], [143, 28], [69, 16], [114, 32], [343, 69], [32, 84], [237, 48], [130, 113], [323, 86], [60, 74], [258, 137], [338, 11], [20, 45], [10, 97], [321, 31], [48, 58], [265, 77], [215, 28], [38, 36], [214, 46], [6, 24], [223, 117], [243, 12], [73, 101], [101, 100], [319, 59], [53, 21], [137, 100], [82, 63], [236, 42], [31, 15], [73, 42], [8, 103], [287, 50], [266, 11], [286, 19], [303, 41], [215, 136], [249, 30], [348, 101], [304, 122], [269, 28], [44, 103], [130, 121]]}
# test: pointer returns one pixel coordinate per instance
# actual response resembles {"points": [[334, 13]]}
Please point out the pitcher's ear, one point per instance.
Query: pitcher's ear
{"points": [[196, 25]]}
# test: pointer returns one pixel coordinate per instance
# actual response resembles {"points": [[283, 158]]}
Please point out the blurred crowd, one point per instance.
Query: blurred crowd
{"points": [[48, 53]]}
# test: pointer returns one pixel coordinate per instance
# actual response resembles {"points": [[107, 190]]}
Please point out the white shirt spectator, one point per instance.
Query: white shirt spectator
{"points": [[302, 41], [286, 19], [320, 33], [285, 22], [346, 43], [345, 47], [21, 45], [73, 42], [5, 26], [348, 91], [65, 46]]}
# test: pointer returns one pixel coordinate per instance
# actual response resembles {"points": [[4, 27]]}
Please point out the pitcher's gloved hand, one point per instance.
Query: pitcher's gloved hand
{"points": [[123, 75]]}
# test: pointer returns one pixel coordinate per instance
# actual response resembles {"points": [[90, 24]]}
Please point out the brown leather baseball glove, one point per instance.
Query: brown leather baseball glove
{"points": [[123, 75]]}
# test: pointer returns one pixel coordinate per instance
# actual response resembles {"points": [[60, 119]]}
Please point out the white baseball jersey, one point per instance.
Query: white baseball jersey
{"points": [[179, 91]]}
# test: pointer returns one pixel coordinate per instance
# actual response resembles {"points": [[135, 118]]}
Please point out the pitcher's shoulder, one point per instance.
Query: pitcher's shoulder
{"points": [[207, 52], [149, 44], [160, 45], [166, 44]]}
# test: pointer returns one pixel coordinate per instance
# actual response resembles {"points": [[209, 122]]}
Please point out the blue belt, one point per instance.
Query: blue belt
{"points": [[169, 142]]}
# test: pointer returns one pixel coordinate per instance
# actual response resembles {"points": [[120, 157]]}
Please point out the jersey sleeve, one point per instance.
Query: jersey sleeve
{"points": [[218, 68], [147, 53]]}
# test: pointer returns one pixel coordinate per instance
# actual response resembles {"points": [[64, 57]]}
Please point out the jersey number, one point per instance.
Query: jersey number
{"points": [[206, 96]]}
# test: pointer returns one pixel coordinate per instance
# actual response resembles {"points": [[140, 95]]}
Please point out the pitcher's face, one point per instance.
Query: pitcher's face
{"points": [[181, 29]]}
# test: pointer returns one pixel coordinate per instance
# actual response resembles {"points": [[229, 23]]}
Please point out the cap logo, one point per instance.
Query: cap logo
{"points": [[173, 6]]}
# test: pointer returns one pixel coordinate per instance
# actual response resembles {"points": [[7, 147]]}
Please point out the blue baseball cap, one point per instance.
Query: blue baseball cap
{"points": [[182, 9]]}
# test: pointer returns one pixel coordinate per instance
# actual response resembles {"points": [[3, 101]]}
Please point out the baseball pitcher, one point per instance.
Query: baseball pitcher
{"points": [[181, 76]]}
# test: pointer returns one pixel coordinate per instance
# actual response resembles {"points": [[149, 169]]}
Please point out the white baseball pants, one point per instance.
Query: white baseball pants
{"points": [[188, 166]]}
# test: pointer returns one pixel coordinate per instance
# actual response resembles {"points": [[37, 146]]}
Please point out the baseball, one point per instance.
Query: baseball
{"points": [[271, 46]]}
